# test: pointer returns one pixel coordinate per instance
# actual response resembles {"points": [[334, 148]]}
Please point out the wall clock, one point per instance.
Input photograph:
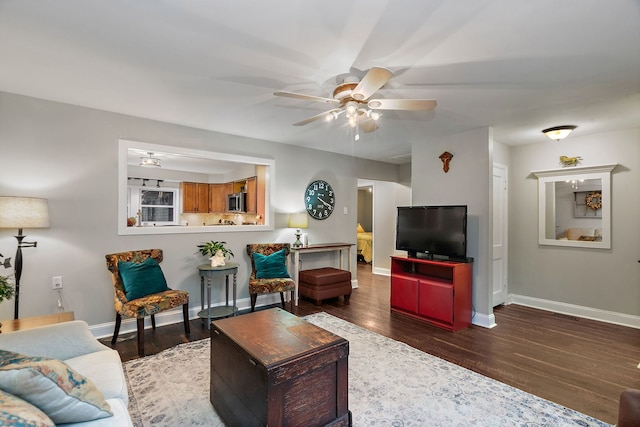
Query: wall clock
{"points": [[319, 199]]}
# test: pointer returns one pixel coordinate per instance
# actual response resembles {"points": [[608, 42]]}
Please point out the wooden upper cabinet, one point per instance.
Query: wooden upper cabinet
{"points": [[217, 197], [252, 196], [188, 190], [195, 197]]}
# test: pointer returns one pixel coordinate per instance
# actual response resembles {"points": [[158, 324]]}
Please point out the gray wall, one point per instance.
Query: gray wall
{"points": [[468, 182], [68, 155], [600, 279]]}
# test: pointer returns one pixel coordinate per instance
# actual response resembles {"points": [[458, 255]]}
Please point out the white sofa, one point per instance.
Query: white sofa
{"points": [[73, 343]]}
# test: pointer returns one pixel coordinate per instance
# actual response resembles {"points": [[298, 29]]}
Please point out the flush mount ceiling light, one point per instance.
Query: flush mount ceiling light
{"points": [[559, 132], [150, 161]]}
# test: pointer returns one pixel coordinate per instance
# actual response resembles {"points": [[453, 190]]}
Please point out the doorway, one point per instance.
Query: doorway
{"points": [[500, 229], [364, 230]]}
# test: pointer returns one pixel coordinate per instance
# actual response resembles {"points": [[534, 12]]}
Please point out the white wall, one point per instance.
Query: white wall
{"points": [[69, 155], [468, 182], [596, 279], [387, 196]]}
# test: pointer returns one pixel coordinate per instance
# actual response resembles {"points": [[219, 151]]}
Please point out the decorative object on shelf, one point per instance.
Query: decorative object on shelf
{"points": [[22, 212], [216, 251], [594, 200], [319, 198], [570, 161], [559, 132], [298, 221], [446, 158]]}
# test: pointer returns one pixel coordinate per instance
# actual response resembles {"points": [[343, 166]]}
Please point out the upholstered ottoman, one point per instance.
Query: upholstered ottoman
{"points": [[323, 283]]}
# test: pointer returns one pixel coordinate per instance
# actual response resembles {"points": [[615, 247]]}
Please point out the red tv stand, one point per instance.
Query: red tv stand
{"points": [[438, 292]]}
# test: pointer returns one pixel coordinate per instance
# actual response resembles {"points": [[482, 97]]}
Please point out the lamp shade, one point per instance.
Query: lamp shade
{"points": [[23, 212], [298, 220]]}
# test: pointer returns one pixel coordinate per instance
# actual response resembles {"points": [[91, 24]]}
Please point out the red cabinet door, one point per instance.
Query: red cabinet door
{"points": [[404, 293], [436, 300]]}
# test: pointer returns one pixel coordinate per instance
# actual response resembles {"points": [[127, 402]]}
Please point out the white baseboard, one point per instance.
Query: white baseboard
{"points": [[381, 271], [484, 320], [170, 317], [577, 310]]}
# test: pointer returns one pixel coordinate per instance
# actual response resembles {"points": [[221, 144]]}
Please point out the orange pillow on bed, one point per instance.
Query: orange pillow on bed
{"points": [[359, 229]]}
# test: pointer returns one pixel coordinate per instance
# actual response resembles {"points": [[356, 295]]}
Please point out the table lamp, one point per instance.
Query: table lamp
{"points": [[298, 221], [22, 212]]}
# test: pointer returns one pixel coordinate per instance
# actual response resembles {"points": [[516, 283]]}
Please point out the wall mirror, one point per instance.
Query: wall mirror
{"points": [[574, 206], [165, 190]]}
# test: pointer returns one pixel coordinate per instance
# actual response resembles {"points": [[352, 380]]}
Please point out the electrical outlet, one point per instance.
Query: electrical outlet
{"points": [[56, 282]]}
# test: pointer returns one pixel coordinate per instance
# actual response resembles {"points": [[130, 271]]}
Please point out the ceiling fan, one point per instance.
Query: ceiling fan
{"points": [[352, 99]]}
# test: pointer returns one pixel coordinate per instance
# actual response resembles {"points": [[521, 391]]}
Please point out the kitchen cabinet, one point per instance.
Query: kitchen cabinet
{"points": [[218, 196], [252, 199], [195, 197]]}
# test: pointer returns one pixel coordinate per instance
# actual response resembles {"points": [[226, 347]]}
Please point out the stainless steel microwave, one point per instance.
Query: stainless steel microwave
{"points": [[236, 202]]}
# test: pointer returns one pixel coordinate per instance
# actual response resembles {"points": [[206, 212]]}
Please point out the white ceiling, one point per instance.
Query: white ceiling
{"points": [[518, 66]]}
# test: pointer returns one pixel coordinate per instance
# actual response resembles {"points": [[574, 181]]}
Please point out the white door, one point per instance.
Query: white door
{"points": [[500, 227]]}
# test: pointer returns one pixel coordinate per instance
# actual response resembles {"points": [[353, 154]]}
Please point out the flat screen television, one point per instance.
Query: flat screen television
{"points": [[432, 231]]}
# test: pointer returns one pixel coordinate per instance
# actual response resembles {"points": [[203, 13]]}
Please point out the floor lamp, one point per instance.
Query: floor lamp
{"points": [[22, 212]]}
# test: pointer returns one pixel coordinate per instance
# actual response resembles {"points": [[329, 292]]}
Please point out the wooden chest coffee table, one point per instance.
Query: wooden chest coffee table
{"points": [[271, 368]]}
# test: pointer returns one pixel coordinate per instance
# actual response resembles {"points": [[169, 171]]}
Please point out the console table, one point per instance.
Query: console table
{"points": [[320, 247], [34, 322], [207, 273]]}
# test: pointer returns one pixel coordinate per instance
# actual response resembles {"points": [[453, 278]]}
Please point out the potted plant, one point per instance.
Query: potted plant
{"points": [[216, 251], [7, 290]]}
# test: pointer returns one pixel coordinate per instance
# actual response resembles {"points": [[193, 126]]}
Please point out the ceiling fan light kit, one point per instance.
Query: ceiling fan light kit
{"points": [[352, 97], [558, 133]]}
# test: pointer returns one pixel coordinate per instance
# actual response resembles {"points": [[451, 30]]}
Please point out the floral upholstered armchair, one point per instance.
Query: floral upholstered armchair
{"points": [[141, 290], [269, 271]]}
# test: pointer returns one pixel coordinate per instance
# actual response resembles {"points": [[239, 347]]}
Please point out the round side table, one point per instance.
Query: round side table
{"points": [[207, 274]]}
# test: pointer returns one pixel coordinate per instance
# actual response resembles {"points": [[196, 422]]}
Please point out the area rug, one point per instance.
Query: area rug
{"points": [[390, 384]]}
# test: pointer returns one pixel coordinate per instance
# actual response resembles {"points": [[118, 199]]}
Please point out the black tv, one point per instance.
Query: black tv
{"points": [[433, 231]]}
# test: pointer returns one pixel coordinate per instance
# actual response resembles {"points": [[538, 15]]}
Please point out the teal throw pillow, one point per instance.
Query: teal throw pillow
{"points": [[142, 278], [271, 266]]}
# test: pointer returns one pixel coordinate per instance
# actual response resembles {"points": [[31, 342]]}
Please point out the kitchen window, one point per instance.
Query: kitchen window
{"points": [[157, 207]]}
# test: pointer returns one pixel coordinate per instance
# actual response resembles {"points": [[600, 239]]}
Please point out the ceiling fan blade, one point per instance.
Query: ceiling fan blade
{"points": [[306, 97], [371, 82], [316, 117], [368, 125], [402, 104]]}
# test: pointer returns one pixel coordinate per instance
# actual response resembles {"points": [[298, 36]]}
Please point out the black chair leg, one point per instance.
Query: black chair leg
{"points": [[293, 300], [116, 331], [140, 336], [153, 321], [282, 300], [254, 298], [185, 315]]}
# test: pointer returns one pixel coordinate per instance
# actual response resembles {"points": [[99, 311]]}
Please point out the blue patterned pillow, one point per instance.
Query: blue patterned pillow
{"points": [[271, 266], [53, 387], [142, 278], [15, 412]]}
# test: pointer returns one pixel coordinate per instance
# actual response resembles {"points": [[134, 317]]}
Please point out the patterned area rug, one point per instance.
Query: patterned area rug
{"points": [[390, 384]]}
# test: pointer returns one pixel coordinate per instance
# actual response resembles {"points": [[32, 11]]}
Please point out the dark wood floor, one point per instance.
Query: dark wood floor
{"points": [[579, 363]]}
